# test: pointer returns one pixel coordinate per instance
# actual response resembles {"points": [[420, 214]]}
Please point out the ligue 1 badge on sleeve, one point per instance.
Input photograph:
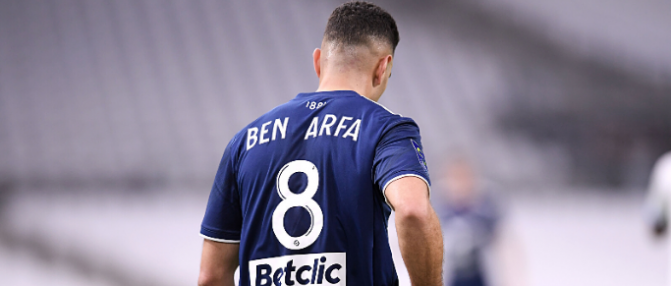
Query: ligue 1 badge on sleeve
{"points": [[420, 154]]}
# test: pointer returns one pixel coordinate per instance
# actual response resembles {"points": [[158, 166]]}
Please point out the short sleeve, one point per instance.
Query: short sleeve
{"points": [[399, 154], [223, 215]]}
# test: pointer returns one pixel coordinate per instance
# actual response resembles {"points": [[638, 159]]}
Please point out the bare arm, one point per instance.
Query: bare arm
{"points": [[218, 263], [419, 233]]}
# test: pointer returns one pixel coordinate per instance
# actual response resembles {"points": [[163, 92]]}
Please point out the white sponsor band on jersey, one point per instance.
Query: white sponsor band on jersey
{"points": [[327, 268]]}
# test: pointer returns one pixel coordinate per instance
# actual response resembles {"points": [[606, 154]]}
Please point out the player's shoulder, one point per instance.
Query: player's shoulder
{"points": [[381, 113], [279, 110], [280, 113], [235, 144], [376, 107]]}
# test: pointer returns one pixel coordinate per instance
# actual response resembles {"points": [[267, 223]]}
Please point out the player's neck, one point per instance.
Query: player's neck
{"points": [[342, 82]]}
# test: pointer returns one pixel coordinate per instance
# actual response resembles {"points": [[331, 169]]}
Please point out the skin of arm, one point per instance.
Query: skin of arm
{"points": [[218, 263], [419, 233]]}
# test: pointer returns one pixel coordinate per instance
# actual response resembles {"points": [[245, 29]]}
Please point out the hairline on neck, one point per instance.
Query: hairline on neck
{"points": [[373, 43]]}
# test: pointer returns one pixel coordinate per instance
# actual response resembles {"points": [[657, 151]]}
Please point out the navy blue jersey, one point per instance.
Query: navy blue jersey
{"points": [[302, 190]]}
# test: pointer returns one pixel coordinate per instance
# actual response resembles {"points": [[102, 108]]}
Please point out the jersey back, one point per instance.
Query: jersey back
{"points": [[302, 190]]}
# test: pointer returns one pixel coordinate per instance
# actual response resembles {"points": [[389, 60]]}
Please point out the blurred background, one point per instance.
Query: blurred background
{"points": [[114, 116]]}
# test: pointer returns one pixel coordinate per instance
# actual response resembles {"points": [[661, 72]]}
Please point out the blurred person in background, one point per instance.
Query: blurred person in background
{"points": [[657, 203], [471, 216], [659, 190]]}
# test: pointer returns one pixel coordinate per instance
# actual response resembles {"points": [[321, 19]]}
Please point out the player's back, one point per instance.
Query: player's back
{"points": [[308, 176]]}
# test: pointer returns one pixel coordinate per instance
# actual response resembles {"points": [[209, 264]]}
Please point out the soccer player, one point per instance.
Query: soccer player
{"points": [[303, 194]]}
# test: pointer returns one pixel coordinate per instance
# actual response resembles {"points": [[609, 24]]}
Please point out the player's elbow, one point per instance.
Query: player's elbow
{"points": [[414, 211], [209, 278]]}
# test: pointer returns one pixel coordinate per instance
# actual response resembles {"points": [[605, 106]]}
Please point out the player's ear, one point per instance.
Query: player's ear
{"points": [[316, 57], [380, 70]]}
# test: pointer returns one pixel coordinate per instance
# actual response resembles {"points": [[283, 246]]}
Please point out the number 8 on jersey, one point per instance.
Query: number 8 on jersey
{"points": [[304, 200]]}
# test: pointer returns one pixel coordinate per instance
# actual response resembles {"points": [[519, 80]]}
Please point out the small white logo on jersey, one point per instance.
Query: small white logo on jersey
{"points": [[303, 269], [314, 105]]}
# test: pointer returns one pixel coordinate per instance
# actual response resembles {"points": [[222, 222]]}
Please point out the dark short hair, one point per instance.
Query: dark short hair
{"points": [[354, 23]]}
